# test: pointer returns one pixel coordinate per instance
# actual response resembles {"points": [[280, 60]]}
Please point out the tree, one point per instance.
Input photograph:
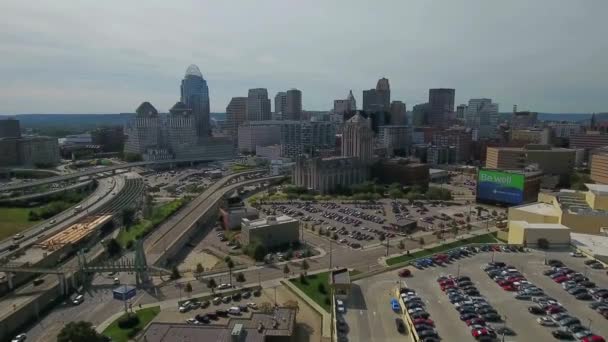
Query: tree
{"points": [[175, 273], [381, 237], [334, 236], [211, 284], [321, 288], [469, 227], [113, 248], [230, 265], [401, 245], [128, 216], [543, 243], [303, 279], [321, 231], [240, 277], [259, 252], [80, 331], [421, 242], [305, 265], [454, 230], [199, 268], [188, 289], [286, 269]]}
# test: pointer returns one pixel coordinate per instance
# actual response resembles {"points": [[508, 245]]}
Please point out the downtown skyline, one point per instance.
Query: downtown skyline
{"points": [[49, 67]]}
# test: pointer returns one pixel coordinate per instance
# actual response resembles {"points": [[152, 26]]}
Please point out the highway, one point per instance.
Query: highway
{"points": [[167, 233], [94, 171], [98, 198]]}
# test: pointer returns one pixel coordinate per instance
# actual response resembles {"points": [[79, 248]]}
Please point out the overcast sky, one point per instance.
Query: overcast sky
{"points": [[108, 56]]}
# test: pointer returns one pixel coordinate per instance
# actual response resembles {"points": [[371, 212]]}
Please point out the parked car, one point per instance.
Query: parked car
{"points": [[400, 325]]}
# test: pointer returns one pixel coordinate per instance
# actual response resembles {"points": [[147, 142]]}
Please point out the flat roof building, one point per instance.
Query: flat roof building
{"points": [[525, 233], [270, 231], [599, 166], [555, 161]]}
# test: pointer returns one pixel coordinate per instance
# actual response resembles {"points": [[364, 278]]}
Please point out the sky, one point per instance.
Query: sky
{"points": [[109, 56]]}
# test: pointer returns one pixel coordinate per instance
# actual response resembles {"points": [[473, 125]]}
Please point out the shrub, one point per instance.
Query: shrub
{"points": [[321, 288], [128, 321], [133, 332]]}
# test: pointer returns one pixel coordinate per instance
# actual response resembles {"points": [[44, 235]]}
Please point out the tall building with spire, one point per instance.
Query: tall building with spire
{"points": [[195, 95], [383, 94], [346, 105], [358, 138]]}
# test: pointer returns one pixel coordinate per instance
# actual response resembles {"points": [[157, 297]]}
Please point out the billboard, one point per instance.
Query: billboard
{"points": [[500, 186]]}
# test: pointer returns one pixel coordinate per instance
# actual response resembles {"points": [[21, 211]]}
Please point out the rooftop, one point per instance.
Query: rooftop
{"points": [[544, 226], [253, 329], [596, 245], [599, 189], [268, 221], [341, 276], [539, 208]]}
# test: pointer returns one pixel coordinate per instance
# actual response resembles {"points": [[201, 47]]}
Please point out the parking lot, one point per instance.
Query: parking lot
{"points": [[367, 223], [514, 312]]}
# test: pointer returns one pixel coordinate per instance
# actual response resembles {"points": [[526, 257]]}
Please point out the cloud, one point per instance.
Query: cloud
{"points": [[85, 57]]}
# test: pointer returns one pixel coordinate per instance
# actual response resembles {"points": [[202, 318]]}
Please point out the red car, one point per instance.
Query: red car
{"points": [[504, 282], [475, 321], [593, 338], [405, 273], [447, 286], [426, 321], [515, 279], [477, 333], [561, 279], [554, 309], [509, 288]]}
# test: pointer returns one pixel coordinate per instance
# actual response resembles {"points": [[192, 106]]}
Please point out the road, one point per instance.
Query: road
{"points": [[94, 171], [99, 197]]}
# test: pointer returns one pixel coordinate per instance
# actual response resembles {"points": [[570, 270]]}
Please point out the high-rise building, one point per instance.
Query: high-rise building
{"points": [[395, 139], [523, 119], [258, 105], [458, 139], [306, 137], [482, 115], [420, 114], [358, 138], [398, 113], [293, 107], [344, 106], [9, 128], [110, 139], [461, 111], [553, 161], [383, 94], [181, 128], [441, 105], [378, 99], [143, 132], [280, 105], [258, 133], [236, 114], [599, 165], [195, 95]]}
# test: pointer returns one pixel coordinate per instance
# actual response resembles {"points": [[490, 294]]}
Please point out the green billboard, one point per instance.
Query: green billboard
{"points": [[500, 186]]}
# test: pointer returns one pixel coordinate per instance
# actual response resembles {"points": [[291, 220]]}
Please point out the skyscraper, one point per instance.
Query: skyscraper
{"points": [[482, 115], [461, 111], [258, 105], [441, 104], [293, 108], [345, 106], [280, 105], [383, 94], [236, 114], [358, 138], [420, 114], [195, 95], [398, 116]]}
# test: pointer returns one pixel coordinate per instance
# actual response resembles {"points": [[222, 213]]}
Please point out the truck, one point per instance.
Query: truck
{"points": [[77, 208]]}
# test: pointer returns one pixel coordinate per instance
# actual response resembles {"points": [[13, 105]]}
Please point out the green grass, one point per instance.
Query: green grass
{"points": [[486, 238], [121, 335], [311, 288], [158, 215], [241, 167], [14, 220]]}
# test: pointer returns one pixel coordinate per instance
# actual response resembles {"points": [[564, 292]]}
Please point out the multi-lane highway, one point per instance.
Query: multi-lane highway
{"points": [[97, 199], [98, 170]]}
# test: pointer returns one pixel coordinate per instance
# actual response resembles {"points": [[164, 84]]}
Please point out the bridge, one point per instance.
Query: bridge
{"points": [[106, 169]]}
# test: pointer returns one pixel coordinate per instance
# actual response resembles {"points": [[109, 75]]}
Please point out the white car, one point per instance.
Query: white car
{"points": [[576, 254], [224, 286], [252, 305], [340, 306], [546, 322], [19, 338], [192, 321]]}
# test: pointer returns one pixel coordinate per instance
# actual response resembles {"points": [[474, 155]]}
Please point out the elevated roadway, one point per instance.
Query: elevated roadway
{"points": [[94, 171]]}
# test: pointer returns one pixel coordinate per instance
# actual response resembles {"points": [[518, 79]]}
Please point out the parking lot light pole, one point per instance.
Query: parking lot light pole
{"points": [[458, 271]]}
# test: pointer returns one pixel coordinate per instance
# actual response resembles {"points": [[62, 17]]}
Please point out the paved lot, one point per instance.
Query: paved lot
{"points": [[517, 317], [368, 312]]}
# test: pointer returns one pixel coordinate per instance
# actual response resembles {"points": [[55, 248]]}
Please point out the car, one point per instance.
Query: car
{"points": [[340, 306], [221, 313], [422, 314], [467, 316], [555, 263], [475, 321], [569, 321], [212, 315], [38, 281], [19, 338], [78, 300], [562, 335], [17, 237], [226, 299], [234, 310], [236, 296], [205, 304], [583, 296], [116, 281], [195, 305], [395, 305], [505, 331], [224, 286], [593, 338], [492, 317], [579, 331], [217, 301], [546, 321], [246, 294], [523, 296], [597, 266], [192, 321], [560, 279], [405, 273], [423, 321]]}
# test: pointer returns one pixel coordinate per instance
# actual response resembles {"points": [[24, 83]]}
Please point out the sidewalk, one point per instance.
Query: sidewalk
{"points": [[326, 317]]}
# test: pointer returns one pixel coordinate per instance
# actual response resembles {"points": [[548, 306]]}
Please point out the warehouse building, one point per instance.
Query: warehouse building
{"points": [[271, 231]]}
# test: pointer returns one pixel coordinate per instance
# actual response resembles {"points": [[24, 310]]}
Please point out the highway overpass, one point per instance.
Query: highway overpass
{"points": [[111, 169]]}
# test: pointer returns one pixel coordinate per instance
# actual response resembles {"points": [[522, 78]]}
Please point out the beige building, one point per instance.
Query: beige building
{"points": [[556, 161], [270, 231], [531, 136], [358, 138], [581, 211], [326, 174], [599, 166], [525, 233]]}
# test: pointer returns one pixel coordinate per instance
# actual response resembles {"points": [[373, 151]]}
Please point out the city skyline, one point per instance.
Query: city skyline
{"points": [[112, 68]]}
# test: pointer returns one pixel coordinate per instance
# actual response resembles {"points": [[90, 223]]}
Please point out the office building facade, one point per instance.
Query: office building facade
{"points": [[441, 105], [523, 119], [458, 139], [258, 105], [395, 139], [482, 115], [346, 105], [398, 113], [293, 105], [280, 105], [258, 133], [271, 231], [143, 131], [236, 114], [306, 137], [10, 128], [552, 161], [599, 165], [357, 138], [195, 95], [327, 174]]}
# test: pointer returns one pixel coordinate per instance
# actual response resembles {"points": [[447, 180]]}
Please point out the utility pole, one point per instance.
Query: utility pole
{"points": [[330, 254], [387, 243]]}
